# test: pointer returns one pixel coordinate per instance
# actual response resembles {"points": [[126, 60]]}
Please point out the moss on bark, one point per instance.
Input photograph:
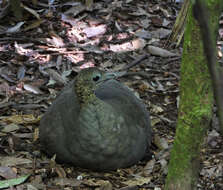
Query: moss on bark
{"points": [[195, 111]]}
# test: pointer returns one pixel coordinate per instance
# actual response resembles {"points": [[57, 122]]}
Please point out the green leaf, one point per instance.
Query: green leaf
{"points": [[12, 182]]}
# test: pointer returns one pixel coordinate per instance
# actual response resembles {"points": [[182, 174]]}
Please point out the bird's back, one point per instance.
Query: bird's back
{"points": [[111, 132]]}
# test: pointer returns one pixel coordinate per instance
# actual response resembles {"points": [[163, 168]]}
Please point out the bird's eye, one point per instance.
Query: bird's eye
{"points": [[96, 77]]}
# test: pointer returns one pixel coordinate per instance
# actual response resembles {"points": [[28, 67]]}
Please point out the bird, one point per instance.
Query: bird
{"points": [[96, 123]]}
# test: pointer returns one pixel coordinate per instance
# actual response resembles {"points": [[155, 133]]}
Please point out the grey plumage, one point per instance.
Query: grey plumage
{"points": [[96, 123]]}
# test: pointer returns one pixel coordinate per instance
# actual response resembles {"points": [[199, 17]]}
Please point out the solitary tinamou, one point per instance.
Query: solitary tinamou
{"points": [[96, 123]]}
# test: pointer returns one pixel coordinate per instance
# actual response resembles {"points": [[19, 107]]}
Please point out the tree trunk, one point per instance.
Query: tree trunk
{"points": [[209, 35], [195, 111]]}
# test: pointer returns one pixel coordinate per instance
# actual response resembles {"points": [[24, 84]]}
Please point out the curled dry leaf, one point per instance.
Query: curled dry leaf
{"points": [[128, 46], [160, 52], [33, 89], [15, 28], [95, 30]]}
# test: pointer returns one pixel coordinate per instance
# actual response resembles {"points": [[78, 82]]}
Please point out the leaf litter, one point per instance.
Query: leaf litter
{"points": [[43, 52]]}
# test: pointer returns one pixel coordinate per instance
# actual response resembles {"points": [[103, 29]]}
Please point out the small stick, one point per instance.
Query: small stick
{"points": [[135, 62]]}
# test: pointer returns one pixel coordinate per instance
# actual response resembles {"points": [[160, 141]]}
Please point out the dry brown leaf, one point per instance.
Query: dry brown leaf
{"points": [[60, 171], [138, 181], [157, 109], [67, 181], [161, 143], [7, 172], [148, 169], [9, 128], [13, 161], [32, 11], [160, 52], [33, 89], [128, 46], [20, 119], [35, 24], [35, 134], [15, 28], [104, 185], [75, 10], [95, 30], [154, 121]]}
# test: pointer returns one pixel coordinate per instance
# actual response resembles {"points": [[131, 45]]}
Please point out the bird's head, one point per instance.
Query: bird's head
{"points": [[88, 80], [92, 78]]}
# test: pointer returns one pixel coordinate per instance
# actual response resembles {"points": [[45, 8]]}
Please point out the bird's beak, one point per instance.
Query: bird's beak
{"points": [[114, 75]]}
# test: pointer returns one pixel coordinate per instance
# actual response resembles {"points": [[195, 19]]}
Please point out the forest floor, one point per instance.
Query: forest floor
{"points": [[43, 51]]}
